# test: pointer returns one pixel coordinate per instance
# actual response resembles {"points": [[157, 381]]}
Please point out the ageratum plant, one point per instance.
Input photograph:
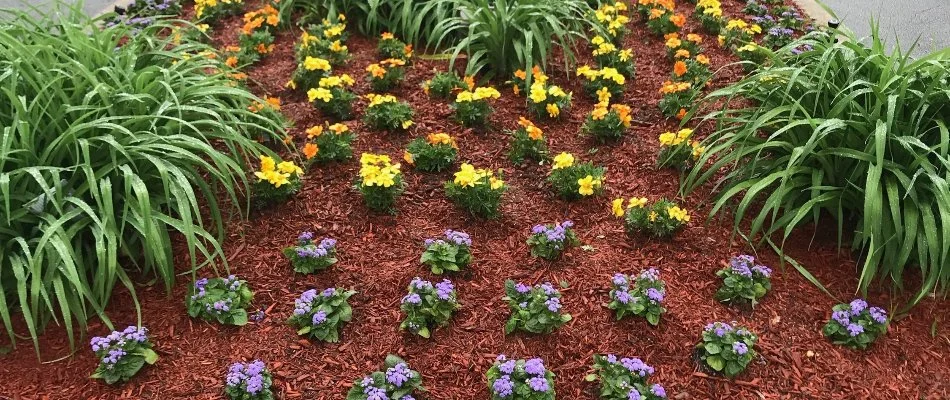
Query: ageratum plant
{"points": [[527, 143], [533, 309], [112, 142], [248, 381], [575, 181], [624, 379], [477, 191], [744, 281], [321, 315], [434, 153], [220, 299], [309, 256], [855, 325], [520, 379], [398, 381], [849, 136], [640, 295], [122, 354], [726, 349], [451, 253], [551, 240], [428, 306]]}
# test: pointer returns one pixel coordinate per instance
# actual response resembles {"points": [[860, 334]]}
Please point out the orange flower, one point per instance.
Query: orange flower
{"points": [[520, 74], [679, 20], [407, 51], [310, 150], [702, 59], [314, 131], [681, 53], [376, 71], [470, 82], [657, 13], [679, 68], [681, 114], [515, 89], [274, 102], [231, 61], [273, 20]]}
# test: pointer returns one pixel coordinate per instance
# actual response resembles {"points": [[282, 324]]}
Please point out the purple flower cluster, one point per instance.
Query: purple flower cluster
{"points": [[636, 366], [556, 233], [111, 348], [780, 31], [457, 238], [249, 377], [307, 249], [531, 372], [851, 315], [744, 265], [309, 299], [398, 375], [443, 290], [719, 328], [647, 284]]}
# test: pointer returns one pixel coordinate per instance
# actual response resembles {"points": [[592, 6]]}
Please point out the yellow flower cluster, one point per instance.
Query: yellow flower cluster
{"points": [[606, 73], [610, 15], [378, 70], [604, 48], [750, 47], [469, 176], [678, 214], [441, 138], [674, 139], [336, 81], [623, 111], [634, 202], [377, 99], [481, 93], [277, 174], [711, 8], [563, 160], [587, 184], [317, 130], [378, 170], [316, 63], [533, 131], [670, 87], [202, 5]]}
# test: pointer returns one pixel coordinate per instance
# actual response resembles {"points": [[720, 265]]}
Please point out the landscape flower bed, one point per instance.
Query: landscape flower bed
{"points": [[455, 332]]}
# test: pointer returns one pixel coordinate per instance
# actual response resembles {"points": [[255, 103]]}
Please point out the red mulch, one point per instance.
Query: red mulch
{"points": [[380, 256]]}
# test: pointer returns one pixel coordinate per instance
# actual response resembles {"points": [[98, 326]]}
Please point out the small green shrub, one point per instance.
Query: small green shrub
{"points": [[533, 309], [384, 112], [662, 219], [434, 153], [321, 315]]}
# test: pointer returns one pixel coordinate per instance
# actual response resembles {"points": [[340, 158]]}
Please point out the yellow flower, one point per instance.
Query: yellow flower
{"points": [[702, 59], [635, 202], [533, 131], [376, 71], [376, 99], [538, 93], [408, 157], [586, 185], [406, 124], [652, 216], [617, 207], [288, 167], [692, 37], [387, 36], [310, 150], [314, 131], [320, 93], [314, 63], [600, 111], [464, 96], [291, 84], [597, 40], [563, 160], [267, 164], [339, 128], [697, 149], [486, 93], [440, 138], [553, 110], [626, 55], [673, 42], [496, 183], [466, 176], [337, 47], [678, 214]]}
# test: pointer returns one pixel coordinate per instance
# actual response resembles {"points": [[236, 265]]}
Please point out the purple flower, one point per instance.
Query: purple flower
{"points": [[651, 274], [842, 317], [740, 348], [655, 295], [255, 384], [429, 242], [622, 296], [507, 367], [658, 390], [611, 358], [522, 288], [537, 229], [319, 317], [857, 306], [855, 329], [619, 280], [548, 288], [328, 243], [634, 394], [306, 236], [444, 289], [878, 315], [412, 298], [398, 374], [554, 304], [762, 270], [458, 237], [539, 384], [329, 292], [567, 224], [503, 386], [534, 366], [637, 366]]}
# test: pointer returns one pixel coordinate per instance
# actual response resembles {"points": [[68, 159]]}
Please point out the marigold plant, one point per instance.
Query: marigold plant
{"points": [[477, 191], [390, 47], [321, 315], [472, 107], [385, 112], [608, 123], [709, 14], [606, 54], [548, 101], [603, 84], [333, 143], [527, 143], [662, 219], [332, 97], [612, 21], [677, 96], [737, 33], [753, 55], [428, 306], [519, 82], [276, 182], [434, 153], [662, 21], [309, 72], [380, 182], [386, 75], [678, 47], [443, 84], [572, 181], [210, 11], [678, 150]]}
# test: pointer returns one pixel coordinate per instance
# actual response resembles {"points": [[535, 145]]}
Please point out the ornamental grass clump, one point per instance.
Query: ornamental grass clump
{"points": [[476, 191], [321, 315], [624, 379], [663, 219], [391, 48], [726, 349], [573, 181], [380, 182], [397, 382], [744, 281], [386, 75], [224, 300], [527, 143], [551, 240], [276, 182], [608, 123], [122, 354], [428, 306], [520, 380], [434, 153], [450, 253], [678, 150], [386, 113], [309, 256], [472, 107], [607, 55], [533, 309], [855, 324], [333, 143], [444, 84], [640, 295], [248, 381], [548, 101], [602, 84], [332, 97]]}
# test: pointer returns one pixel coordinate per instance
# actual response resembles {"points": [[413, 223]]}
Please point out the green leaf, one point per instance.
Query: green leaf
{"points": [[150, 356], [715, 362], [712, 348]]}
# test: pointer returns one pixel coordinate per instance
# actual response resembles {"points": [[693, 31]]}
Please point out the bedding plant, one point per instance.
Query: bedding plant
{"points": [[607, 55], [276, 182], [856, 324], [573, 181], [744, 281], [472, 107], [333, 143], [248, 381], [607, 123], [122, 354], [547, 101], [726, 349], [386, 75], [534, 309], [527, 143], [434, 153], [444, 84], [309, 255], [551, 240], [678, 150], [624, 379], [380, 182], [662, 219], [395, 381], [332, 97], [321, 314], [520, 379], [385, 112], [224, 300], [477, 191], [641, 295], [452, 252], [428, 306]]}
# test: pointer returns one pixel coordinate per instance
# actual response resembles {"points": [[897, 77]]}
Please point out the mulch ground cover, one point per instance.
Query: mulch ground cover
{"points": [[379, 256]]}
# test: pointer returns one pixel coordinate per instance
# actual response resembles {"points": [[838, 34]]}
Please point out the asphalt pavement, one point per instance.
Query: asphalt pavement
{"points": [[91, 7], [901, 21]]}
